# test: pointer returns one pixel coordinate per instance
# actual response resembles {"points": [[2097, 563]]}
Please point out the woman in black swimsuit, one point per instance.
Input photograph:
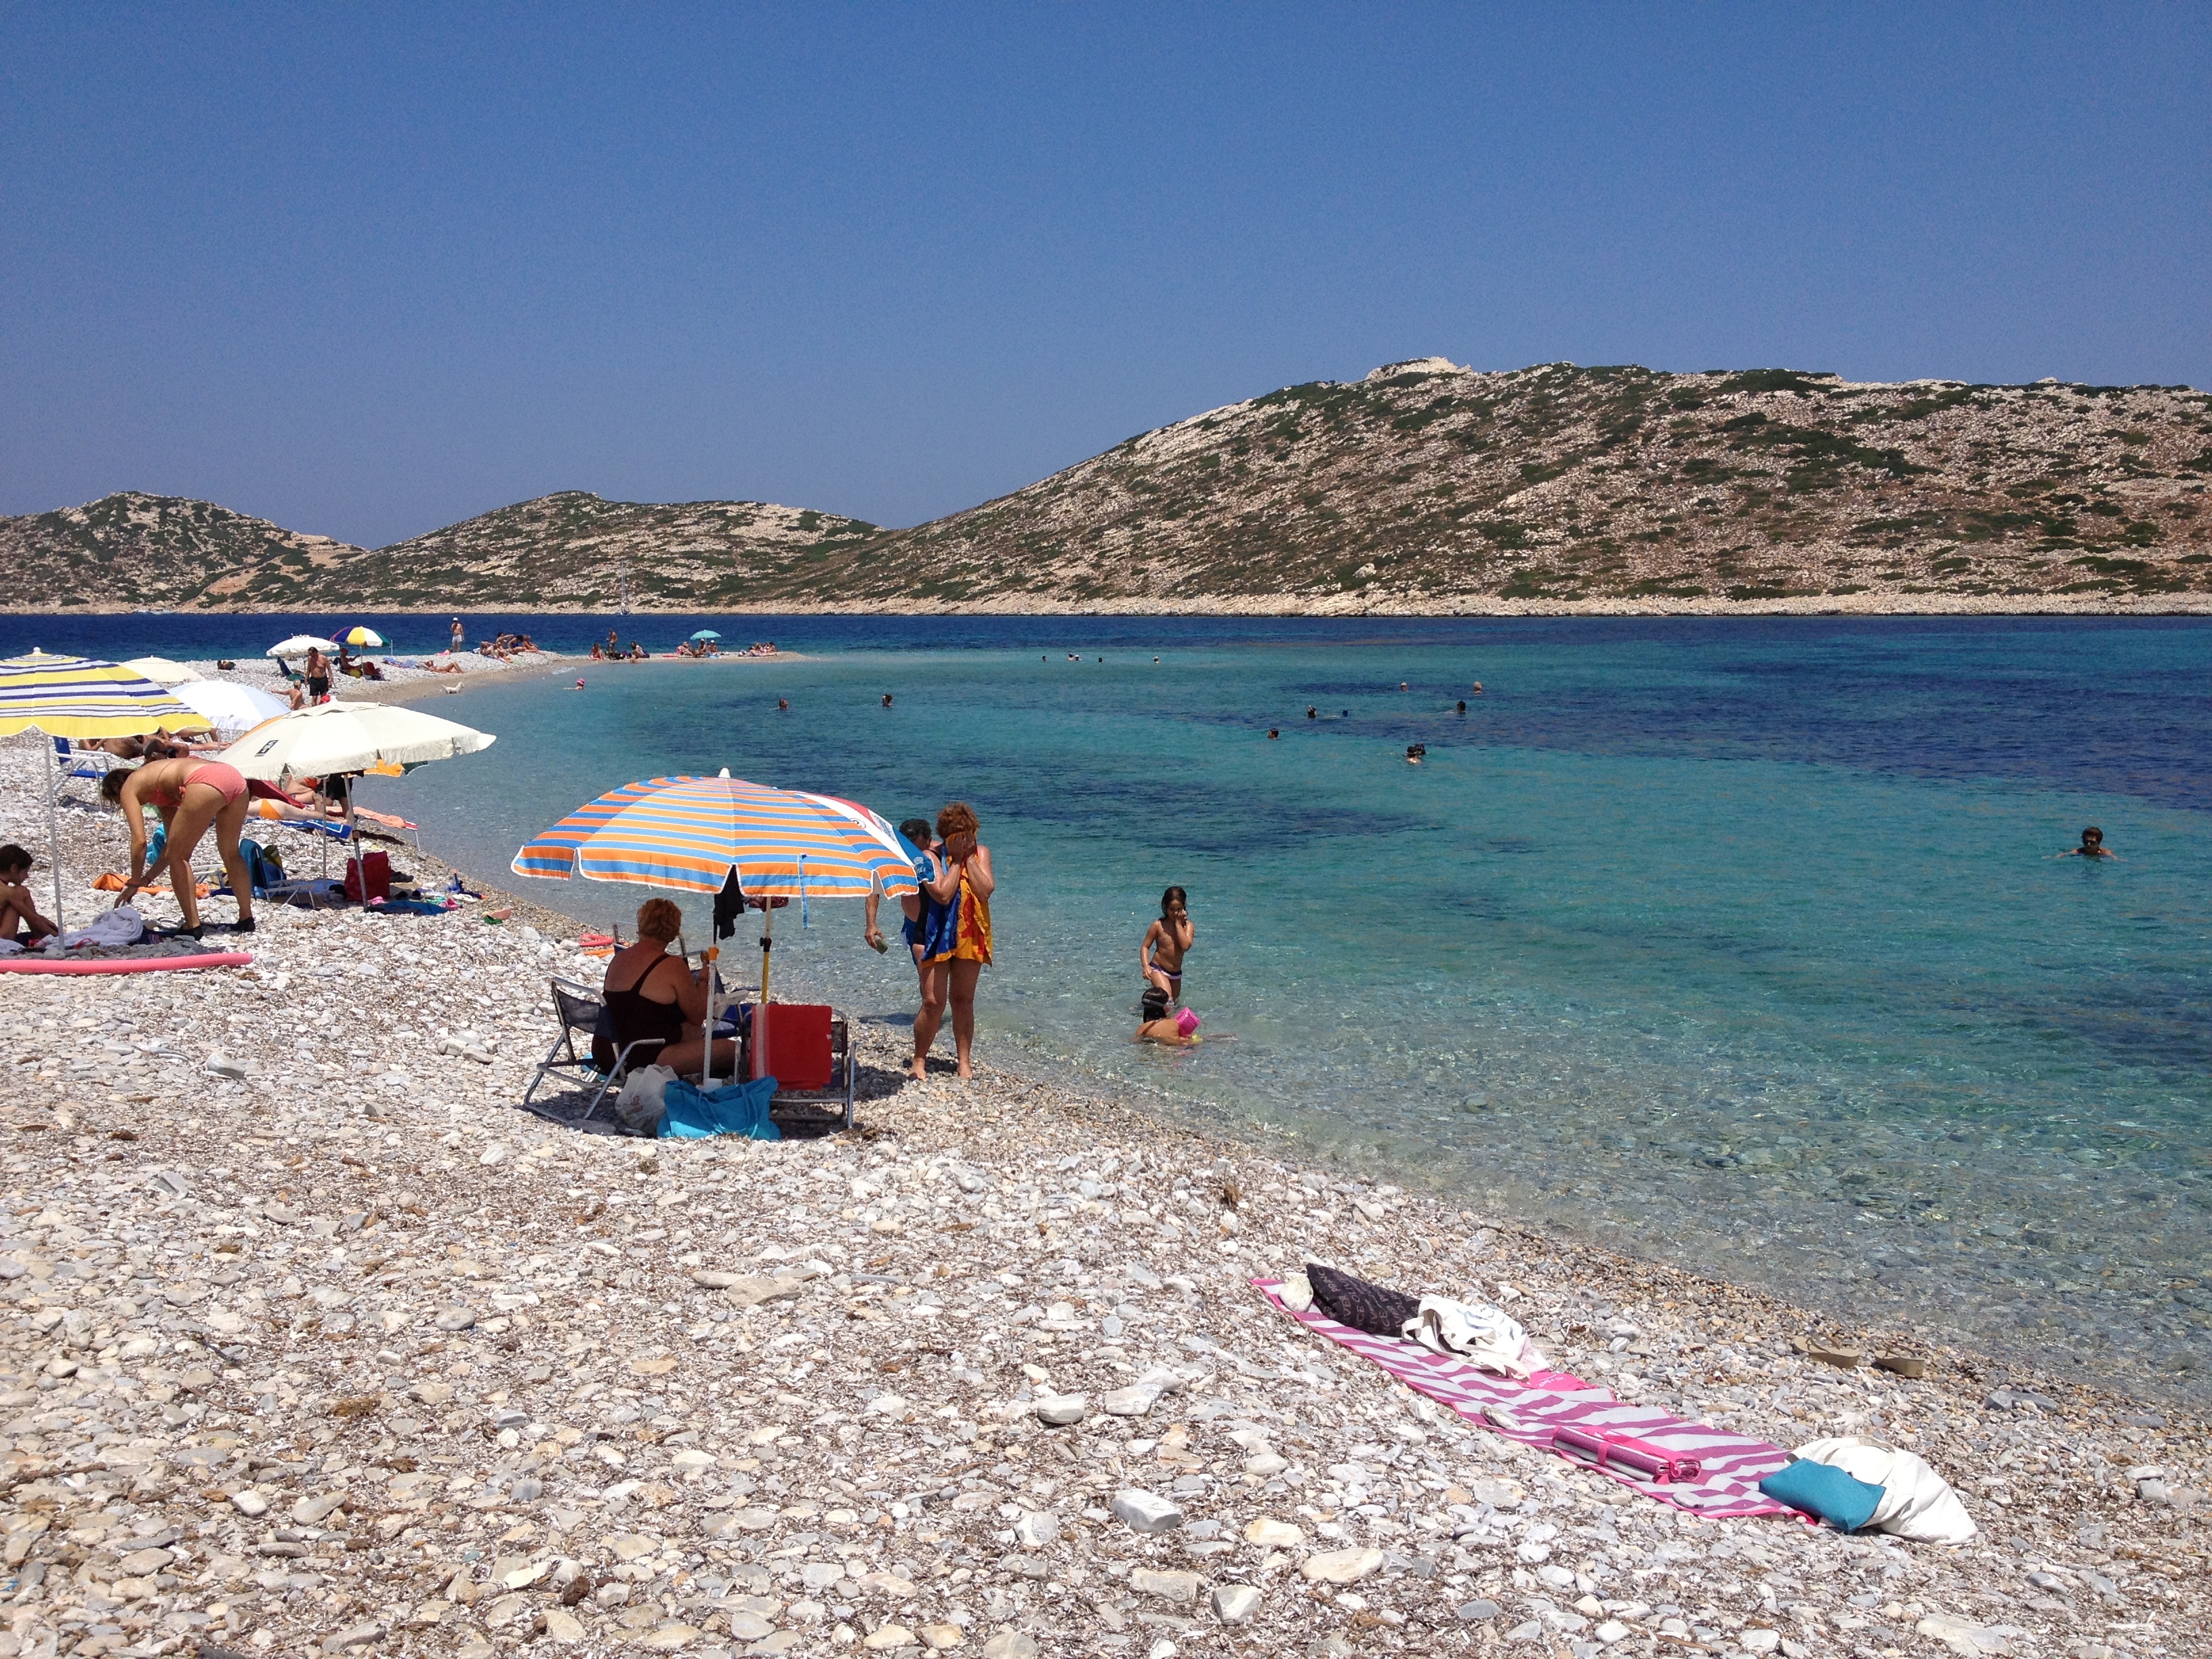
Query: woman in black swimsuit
{"points": [[649, 1004]]}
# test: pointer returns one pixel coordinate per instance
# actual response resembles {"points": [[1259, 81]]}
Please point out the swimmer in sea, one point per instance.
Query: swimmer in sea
{"points": [[1462, 705], [1312, 712], [1167, 942], [1414, 752], [783, 705], [1274, 731], [2093, 846], [887, 699], [1156, 1025]]}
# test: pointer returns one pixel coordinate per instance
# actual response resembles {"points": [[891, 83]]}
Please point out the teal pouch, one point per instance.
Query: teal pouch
{"points": [[1844, 1501]]}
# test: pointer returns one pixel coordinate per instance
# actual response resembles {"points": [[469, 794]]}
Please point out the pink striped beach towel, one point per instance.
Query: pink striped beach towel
{"points": [[1730, 1466]]}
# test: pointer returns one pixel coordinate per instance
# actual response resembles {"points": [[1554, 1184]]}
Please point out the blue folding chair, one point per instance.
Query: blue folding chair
{"points": [[92, 763]]}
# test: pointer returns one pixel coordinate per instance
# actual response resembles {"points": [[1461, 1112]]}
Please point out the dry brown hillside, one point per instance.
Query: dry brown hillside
{"points": [[133, 551], [1425, 487], [1429, 487]]}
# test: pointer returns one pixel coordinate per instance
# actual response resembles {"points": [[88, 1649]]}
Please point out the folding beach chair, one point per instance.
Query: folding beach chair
{"points": [[578, 1008], [90, 762], [808, 1048]]}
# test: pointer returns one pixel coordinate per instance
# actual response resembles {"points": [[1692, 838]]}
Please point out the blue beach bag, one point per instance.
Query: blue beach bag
{"points": [[688, 1113]]}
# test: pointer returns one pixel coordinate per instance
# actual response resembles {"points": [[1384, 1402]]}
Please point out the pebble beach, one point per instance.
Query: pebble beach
{"points": [[310, 1342]]}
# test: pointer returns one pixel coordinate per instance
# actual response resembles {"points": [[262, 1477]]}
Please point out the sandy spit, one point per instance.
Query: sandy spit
{"points": [[310, 1342]]}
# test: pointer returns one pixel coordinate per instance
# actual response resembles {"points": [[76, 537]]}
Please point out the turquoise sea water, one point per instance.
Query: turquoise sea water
{"points": [[1735, 943]]}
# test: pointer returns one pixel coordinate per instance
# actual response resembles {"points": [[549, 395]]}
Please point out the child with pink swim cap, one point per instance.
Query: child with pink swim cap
{"points": [[1155, 1025]]}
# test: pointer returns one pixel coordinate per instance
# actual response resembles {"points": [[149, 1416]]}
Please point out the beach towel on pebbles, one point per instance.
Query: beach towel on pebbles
{"points": [[1730, 1467], [121, 925]]}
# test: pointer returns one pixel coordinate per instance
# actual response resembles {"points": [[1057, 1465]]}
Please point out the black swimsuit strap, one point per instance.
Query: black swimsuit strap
{"points": [[636, 987]]}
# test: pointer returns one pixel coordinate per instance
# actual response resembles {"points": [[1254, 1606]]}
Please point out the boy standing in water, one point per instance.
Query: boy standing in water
{"points": [[1167, 942]]}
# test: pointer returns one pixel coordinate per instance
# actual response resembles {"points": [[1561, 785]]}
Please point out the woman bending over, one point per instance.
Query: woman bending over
{"points": [[191, 795]]}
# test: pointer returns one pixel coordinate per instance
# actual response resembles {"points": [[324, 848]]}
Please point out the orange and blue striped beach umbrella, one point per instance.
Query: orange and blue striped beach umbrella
{"points": [[688, 833]]}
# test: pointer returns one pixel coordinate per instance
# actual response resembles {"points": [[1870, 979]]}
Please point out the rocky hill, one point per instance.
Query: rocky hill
{"points": [[132, 552], [1429, 487], [561, 552], [1424, 487]]}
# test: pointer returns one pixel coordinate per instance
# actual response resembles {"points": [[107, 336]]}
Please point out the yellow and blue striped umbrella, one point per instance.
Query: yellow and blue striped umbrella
{"points": [[688, 833], [82, 698]]}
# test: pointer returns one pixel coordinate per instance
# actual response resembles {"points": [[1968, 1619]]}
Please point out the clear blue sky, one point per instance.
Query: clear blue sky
{"points": [[368, 269]]}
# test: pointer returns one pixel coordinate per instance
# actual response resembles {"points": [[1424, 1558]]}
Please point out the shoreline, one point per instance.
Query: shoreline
{"points": [[781, 1397], [1340, 605]]}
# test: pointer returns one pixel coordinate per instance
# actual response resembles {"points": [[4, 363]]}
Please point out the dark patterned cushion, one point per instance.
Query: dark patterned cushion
{"points": [[1374, 1308]]}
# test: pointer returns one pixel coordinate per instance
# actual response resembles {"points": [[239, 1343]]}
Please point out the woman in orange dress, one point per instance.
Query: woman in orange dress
{"points": [[956, 936]]}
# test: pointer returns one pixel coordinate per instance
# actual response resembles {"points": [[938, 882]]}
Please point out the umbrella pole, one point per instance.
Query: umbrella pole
{"points": [[711, 955], [54, 824], [768, 943], [763, 1062]]}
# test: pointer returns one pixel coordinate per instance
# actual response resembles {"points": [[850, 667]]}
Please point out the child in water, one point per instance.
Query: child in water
{"points": [[1167, 942], [1155, 1026]]}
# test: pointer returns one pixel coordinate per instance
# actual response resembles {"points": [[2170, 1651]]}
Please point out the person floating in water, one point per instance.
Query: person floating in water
{"points": [[1415, 752], [2093, 846], [1156, 1025], [1312, 712], [887, 699], [1274, 731], [1167, 942], [783, 705], [1477, 688], [1462, 705]]}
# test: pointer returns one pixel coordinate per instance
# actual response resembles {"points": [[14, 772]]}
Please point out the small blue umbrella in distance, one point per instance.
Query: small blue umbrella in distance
{"points": [[706, 634]]}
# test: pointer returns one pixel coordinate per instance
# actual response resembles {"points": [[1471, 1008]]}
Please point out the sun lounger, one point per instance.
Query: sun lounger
{"points": [[808, 1048]]}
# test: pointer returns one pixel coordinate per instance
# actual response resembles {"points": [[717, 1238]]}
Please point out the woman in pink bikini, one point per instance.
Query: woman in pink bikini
{"points": [[190, 795]]}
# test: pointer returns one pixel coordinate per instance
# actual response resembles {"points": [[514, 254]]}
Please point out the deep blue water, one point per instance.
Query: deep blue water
{"points": [[1739, 942]]}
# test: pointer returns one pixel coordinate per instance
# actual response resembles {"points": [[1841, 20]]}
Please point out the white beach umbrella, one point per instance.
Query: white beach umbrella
{"points": [[298, 645], [231, 708], [350, 737], [161, 671]]}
